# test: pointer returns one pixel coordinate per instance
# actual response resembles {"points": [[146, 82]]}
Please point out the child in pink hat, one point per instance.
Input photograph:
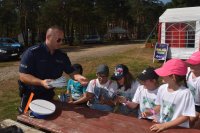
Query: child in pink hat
{"points": [[174, 101], [193, 82]]}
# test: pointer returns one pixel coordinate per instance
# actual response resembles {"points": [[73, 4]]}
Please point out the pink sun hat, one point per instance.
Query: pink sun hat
{"points": [[173, 66], [194, 59]]}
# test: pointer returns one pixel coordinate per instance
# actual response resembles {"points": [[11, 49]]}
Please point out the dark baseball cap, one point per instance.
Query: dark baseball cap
{"points": [[103, 69], [148, 73], [120, 71]]}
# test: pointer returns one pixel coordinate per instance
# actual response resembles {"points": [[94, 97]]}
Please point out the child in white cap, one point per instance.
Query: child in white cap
{"points": [[174, 101], [193, 82]]}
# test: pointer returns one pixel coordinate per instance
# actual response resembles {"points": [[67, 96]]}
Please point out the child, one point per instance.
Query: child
{"points": [[174, 101], [193, 82], [127, 86], [100, 92], [145, 95], [74, 88]]}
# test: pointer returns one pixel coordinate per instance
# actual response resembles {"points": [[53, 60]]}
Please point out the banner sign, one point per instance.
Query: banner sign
{"points": [[160, 51]]}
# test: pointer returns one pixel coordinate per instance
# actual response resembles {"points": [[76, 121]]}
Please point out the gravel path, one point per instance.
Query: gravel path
{"points": [[75, 55]]}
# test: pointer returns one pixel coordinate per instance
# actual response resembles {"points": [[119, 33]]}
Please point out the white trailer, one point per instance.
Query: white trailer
{"points": [[180, 28]]}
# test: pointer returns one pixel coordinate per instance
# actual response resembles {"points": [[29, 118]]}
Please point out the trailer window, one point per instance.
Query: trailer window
{"points": [[180, 34]]}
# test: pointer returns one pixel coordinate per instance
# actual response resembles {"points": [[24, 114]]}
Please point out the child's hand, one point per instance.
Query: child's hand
{"points": [[102, 100], [71, 102], [121, 99], [158, 127], [155, 120], [146, 114], [143, 115]]}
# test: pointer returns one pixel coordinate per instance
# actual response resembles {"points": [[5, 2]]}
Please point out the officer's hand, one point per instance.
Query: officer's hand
{"points": [[83, 80], [45, 83]]}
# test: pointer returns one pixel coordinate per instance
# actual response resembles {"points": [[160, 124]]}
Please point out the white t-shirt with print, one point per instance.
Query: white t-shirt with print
{"points": [[130, 92], [145, 98], [111, 87], [175, 104], [194, 86]]}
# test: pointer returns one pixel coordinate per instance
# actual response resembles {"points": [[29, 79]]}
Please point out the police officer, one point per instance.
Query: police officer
{"points": [[42, 63]]}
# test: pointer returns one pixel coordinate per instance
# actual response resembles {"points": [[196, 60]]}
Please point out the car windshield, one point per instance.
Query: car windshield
{"points": [[6, 41]]}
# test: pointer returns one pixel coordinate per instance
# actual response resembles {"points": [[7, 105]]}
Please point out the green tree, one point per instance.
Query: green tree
{"points": [[28, 11], [8, 18], [80, 17]]}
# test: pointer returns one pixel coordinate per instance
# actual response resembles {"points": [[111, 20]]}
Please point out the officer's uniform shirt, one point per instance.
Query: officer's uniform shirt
{"points": [[38, 62]]}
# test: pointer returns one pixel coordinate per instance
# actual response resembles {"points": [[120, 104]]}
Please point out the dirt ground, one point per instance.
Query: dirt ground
{"points": [[75, 54]]}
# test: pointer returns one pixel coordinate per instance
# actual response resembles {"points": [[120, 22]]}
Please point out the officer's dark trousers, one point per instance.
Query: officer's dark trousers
{"points": [[46, 95], [24, 100]]}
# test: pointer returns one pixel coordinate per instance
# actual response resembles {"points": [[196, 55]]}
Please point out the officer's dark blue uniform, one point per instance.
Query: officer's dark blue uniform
{"points": [[38, 62]]}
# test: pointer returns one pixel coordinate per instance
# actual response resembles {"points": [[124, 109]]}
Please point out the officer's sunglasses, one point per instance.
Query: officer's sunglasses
{"points": [[60, 40]]}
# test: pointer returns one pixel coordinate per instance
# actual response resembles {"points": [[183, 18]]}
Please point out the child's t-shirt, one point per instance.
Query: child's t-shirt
{"points": [[145, 98], [175, 104], [101, 91], [76, 89], [194, 86], [129, 94], [108, 89]]}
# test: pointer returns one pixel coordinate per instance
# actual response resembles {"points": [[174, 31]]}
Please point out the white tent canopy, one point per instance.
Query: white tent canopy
{"points": [[181, 14], [180, 28]]}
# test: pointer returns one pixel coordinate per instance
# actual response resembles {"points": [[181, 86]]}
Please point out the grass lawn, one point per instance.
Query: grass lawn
{"points": [[136, 59]]}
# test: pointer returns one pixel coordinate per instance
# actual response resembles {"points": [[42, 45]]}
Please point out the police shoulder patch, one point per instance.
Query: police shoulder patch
{"points": [[35, 47], [23, 66]]}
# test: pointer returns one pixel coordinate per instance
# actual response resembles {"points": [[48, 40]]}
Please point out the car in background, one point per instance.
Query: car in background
{"points": [[10, 49], [92, 39]]}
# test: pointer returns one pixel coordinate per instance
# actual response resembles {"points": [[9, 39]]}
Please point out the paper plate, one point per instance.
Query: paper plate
{"points": [[42, 107]]}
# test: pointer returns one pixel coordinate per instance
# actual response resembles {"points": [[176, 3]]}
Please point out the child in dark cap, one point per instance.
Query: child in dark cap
{"points": [[100, 91], [145, 95], [127, 86]]}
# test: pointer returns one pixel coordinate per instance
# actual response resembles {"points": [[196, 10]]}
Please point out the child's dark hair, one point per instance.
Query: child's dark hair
{"points": [[128, 79], [78, 68]]}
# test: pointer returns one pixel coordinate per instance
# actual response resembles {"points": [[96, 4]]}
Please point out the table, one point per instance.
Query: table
{"points": [[79, 119]]}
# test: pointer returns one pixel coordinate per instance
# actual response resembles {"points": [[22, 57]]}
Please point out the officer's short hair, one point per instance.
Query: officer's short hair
{"points": [[54, 27]]}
